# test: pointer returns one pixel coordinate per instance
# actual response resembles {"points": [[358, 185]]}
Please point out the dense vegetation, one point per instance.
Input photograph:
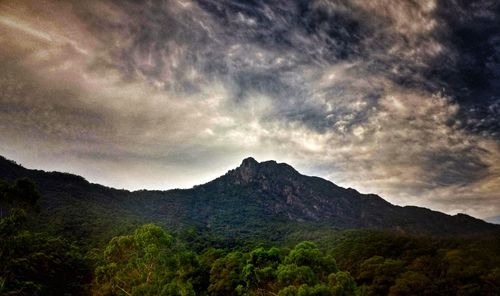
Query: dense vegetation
{"points": [[40, 256], [35, 263], [266, 200], [152, 262], [387, 263]]}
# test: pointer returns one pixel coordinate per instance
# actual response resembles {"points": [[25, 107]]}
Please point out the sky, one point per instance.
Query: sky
{"points": [[398, 98]]}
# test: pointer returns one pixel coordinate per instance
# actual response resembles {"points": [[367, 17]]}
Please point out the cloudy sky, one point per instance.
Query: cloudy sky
{"points": [[399, 98]]}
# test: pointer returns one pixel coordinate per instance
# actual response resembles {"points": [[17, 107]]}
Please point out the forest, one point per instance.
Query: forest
{"points": [[149, 259]]}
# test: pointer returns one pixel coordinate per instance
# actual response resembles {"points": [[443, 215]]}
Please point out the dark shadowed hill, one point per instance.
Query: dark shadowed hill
{"points": [[263, 199]]}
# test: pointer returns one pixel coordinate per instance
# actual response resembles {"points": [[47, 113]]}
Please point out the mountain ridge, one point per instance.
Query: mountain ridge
{"points": [[246, 201]]}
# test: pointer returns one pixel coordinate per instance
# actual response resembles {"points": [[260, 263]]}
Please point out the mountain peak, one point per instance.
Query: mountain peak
{"points": [[266, 176], [248, 169], [251, 170], [264, 191], [249, 162]]}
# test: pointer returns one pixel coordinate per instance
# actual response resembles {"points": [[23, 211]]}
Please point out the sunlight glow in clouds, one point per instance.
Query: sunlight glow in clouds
{"points": [[374, 95]]}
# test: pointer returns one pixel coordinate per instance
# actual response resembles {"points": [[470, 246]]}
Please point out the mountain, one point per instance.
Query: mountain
{"points": [[257, 199]]}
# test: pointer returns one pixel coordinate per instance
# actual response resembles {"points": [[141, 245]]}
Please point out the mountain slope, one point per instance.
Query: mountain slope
{"points": [[263, 199], [283, 192]]}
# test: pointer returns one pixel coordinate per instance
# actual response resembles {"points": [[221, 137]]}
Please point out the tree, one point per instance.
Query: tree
{"points": [[342, 284], [307, 254], [225, 275], [21, 194], [379, 274], [412, 283], [37, 263], [291, 274], [146, 263]]}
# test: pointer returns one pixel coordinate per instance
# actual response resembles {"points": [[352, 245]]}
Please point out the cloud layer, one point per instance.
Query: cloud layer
{"points": [[393, 97]]}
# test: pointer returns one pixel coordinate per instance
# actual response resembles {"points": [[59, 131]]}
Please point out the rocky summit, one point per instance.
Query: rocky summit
{"points": [[250, 200]]}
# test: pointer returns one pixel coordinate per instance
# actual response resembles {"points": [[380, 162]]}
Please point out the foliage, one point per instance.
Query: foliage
{"points": [[393, 264], [36, 263], [20, 194], [42, 249], [151, 262], [146, 263]]}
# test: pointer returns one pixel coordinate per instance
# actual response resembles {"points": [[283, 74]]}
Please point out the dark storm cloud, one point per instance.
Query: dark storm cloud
{"points": [[462, 168], [393, 97]]}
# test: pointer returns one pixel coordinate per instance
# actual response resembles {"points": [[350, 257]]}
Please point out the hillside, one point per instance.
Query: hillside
{"points": [[257, 199]]}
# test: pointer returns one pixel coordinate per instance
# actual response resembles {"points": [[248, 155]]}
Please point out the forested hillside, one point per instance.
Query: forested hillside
{"points": [[60, 235], [266, 200]]}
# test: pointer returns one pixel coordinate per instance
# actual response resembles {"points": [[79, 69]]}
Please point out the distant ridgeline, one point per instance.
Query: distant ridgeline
{"points": [[260, 229], [256, 200]]}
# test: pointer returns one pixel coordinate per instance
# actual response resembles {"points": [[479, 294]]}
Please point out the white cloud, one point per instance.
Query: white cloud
{"points": [[173, 95]]}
